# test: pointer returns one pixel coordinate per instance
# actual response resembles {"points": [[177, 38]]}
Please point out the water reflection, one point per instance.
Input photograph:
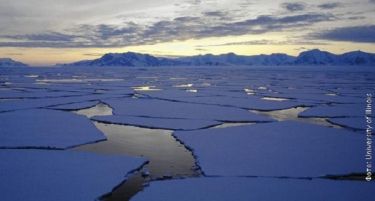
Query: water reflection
{"points": [[168, 158], [100, 109], [183, 85], [226, 125], [192, 90], [145, 88], [274, 98], [331, 94], [292, 114]]}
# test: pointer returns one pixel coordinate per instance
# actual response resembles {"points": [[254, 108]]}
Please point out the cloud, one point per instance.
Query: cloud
{"points": [[180, 28], [215, 13], [201, 49], [294, 6], [50, 36], [93, 54], [329, 5], [252, 42], [271, 42], [14, 54], [361, 34]]}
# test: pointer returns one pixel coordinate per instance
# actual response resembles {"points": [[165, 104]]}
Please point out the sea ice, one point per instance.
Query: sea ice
{"points": [[290, 149], [30, 175], [337, 110], [351, 122], [247, 189], [158, 123], [42, 128], [76, 106], [170, 109]]}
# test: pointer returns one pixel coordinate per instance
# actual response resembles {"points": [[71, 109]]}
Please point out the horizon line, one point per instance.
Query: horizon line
{"points": [[181, 56]]}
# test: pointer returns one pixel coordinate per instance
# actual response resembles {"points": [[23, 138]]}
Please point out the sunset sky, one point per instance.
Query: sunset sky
{"points": [[46, 32]]}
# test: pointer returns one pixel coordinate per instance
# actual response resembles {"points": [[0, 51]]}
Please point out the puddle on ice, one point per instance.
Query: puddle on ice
{"points": [[249, 91], [100, 109], [274, 98], [41, 83], [226, 125], [146, 88], [192, 90], [168, 158], [136, 96], [292, 114], [177, 78], [183, 85], [32, 76], [262, 88]]}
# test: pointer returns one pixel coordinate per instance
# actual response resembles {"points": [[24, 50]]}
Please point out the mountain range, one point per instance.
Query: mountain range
{"points": [[311, 57], [7, 62]]}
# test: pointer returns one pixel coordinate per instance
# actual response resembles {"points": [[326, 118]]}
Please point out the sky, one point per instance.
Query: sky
{"points": [[46, 32]]}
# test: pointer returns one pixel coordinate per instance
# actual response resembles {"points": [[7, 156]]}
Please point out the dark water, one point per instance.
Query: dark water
{"points": [[292, 114], [167, 157]]}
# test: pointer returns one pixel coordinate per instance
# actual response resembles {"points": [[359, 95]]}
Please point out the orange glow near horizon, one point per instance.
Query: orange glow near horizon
{"points": [[213, 45]]}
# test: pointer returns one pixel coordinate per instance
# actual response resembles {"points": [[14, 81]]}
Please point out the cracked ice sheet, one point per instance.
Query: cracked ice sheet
{"points": [[157, 123], [169, 109], [41, 128], [30, 175], [249, 102], [49, 102], [320, 98], [39, 94], [351, 122], [255, 189], [76, 106], [287, 148], [341, 110], [169, 94]]}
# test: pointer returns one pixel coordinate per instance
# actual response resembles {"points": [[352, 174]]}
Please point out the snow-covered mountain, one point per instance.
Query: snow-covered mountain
{"points": [[311, 57], [316, 57], [358, 58], [235, 60], [7, 62], [126, 59]]}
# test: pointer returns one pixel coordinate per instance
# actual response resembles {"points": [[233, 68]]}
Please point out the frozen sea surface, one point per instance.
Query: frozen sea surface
{"points": [[245, 189], [43, 128], [157, 123], [239, 124], [31, 175], [290, 149]]}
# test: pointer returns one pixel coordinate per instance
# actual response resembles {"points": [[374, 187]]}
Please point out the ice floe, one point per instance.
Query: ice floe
{"points": [[245, 189], [42, 128], [159, 123], [31, 175], [350, 122], [336, 110], [170, 109], [276, 149]]}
